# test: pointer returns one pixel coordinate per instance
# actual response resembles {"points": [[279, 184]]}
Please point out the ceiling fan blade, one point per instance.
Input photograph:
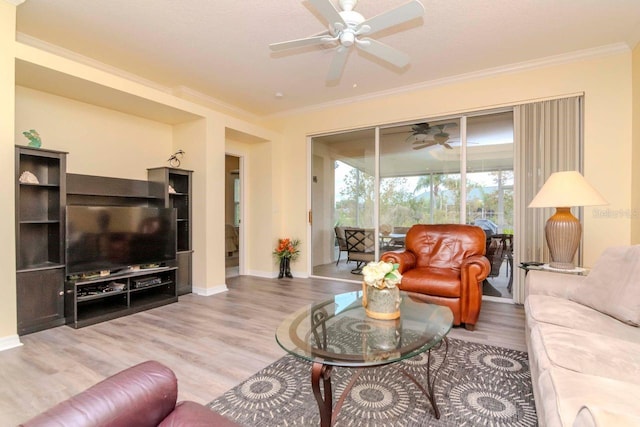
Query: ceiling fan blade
{"points": [[337, 64], [447, 146], [406, 12], [309, 41], [384, 52], [329, 12], [420, 147]]}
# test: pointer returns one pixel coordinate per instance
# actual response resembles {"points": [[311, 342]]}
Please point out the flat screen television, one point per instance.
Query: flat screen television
{"points": [[115, 238]]}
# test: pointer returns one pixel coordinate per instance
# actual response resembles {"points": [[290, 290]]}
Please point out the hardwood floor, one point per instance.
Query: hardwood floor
{"points": [[211, 343]]}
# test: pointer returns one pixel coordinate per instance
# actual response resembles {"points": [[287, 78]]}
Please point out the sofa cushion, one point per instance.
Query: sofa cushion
{"points": [[570, 314], [601, 417], [613, 285], [585, 352], [564, 392], [443, 282]]}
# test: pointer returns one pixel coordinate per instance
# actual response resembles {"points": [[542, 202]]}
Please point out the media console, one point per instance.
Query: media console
{"points": [[90, 301]]}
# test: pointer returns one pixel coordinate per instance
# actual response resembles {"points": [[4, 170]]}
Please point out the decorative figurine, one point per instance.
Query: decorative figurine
{"points": [[33, 137], [174, 160]]}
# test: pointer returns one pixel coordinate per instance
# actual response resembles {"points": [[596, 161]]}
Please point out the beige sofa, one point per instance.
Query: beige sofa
{"points": [[584, 342]]}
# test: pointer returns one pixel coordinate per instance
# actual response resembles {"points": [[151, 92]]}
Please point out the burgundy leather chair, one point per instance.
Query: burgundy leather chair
{"points": [[142, 396], [445, 264]]}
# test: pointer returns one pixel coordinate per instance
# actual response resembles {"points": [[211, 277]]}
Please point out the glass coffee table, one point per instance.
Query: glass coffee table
{"points": [[337, 332]]}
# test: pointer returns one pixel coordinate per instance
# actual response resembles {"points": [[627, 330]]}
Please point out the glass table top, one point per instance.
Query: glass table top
{"points": [[338, 332]]}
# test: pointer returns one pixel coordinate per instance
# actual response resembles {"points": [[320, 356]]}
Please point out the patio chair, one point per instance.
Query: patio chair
{"points": [[342, 242], [360, 247], [500, 249]]}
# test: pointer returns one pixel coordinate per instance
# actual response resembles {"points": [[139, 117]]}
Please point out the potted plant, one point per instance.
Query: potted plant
{"points": [[380, 292], [286, 251]]}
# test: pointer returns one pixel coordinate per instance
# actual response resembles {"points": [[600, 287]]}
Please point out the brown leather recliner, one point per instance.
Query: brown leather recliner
{"points": [[142, 396], [445, 264]]}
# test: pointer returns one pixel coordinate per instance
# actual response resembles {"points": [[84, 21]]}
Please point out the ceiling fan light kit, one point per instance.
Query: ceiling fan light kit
{"points": [[346, 26]]}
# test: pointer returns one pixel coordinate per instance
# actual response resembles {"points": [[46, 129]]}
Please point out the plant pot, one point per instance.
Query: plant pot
{"points": [[383, 304]]}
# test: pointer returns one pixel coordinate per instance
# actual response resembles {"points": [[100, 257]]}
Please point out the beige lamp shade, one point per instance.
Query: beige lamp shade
{"points": [[566, 189], [563, 230]]}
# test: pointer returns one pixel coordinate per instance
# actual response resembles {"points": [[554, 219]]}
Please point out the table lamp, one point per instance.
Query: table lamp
{"points": [[562, 190]]}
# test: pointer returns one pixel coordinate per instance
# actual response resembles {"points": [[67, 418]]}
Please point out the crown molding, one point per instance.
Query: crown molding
{"points": [[15, 2], [601, 51], [85, 60], [190, 94], [183, 92]]}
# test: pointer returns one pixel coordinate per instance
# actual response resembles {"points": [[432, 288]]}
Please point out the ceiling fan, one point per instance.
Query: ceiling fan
{"points": [[421, 132], [346, 28]]}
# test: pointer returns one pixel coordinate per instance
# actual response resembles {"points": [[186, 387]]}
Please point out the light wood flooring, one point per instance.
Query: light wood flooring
{"points": [[211, 343]]}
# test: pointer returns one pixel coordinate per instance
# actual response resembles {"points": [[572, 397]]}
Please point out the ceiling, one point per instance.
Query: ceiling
{"points": [[218, 50]]}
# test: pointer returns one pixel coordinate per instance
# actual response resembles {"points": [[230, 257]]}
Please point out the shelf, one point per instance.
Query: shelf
{"points": [[99, 313], [100, 295], [44, 221], [44, 186], [151, 301], [180, 181], [169, 282], [48, 265], [90, 309]]}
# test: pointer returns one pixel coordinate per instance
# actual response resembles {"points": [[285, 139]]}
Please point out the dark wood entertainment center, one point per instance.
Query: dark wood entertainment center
{"points": [[45, 298], [90, 301]]}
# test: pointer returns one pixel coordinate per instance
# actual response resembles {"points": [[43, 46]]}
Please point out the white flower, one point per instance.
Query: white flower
{"points": [[381, 274]]}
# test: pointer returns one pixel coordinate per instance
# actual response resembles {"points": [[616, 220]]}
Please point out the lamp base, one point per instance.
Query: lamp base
{"points": [[563, 231]]}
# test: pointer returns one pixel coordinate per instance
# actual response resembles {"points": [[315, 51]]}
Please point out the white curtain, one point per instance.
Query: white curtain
{"points": [[548, 139]]}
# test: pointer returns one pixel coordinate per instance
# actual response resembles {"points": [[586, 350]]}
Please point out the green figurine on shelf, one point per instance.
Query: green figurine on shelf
{"points": [[33, 137]]}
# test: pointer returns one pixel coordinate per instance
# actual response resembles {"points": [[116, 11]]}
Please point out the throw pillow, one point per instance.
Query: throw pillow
{"points": [[613, 285]]}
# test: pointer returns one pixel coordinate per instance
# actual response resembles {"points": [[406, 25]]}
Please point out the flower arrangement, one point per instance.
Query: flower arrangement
{"points": [[287, 248], [382, 274]]}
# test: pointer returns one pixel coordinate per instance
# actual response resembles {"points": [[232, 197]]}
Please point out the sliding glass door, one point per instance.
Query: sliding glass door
{"points": [[343, 197], [454, 170]]}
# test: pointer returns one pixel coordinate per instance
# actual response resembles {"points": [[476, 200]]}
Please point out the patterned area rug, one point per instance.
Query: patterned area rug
{"points": [[479, 385]]}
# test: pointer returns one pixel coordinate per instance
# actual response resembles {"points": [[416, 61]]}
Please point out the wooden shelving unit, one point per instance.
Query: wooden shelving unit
{"points": [[40, 237], [90, 301], [174, 187]]}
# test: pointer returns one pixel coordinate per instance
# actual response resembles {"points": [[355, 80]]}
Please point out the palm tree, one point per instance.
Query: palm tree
{"points": [[432, 183]]}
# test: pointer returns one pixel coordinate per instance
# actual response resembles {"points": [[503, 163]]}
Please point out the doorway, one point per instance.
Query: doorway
{"points": [[232, 215]]}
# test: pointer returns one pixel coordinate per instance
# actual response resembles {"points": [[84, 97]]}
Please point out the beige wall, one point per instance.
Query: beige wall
{"points": [[99, 141], [231, 163], [276, 163], [635, 189], [259, 230], [115, 127], [8, 326], [605, 82]]}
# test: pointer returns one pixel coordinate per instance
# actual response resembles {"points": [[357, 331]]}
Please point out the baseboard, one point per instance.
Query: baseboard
{"points": [[260, 273], [210, 291], [498, 299], [10, 341], [274, 274]]}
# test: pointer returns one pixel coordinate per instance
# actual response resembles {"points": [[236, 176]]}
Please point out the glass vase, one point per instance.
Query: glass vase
{"points": [[383, 304]]}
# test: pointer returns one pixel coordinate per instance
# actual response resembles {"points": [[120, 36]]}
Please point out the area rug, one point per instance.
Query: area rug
{"points": [[478, 385]]}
